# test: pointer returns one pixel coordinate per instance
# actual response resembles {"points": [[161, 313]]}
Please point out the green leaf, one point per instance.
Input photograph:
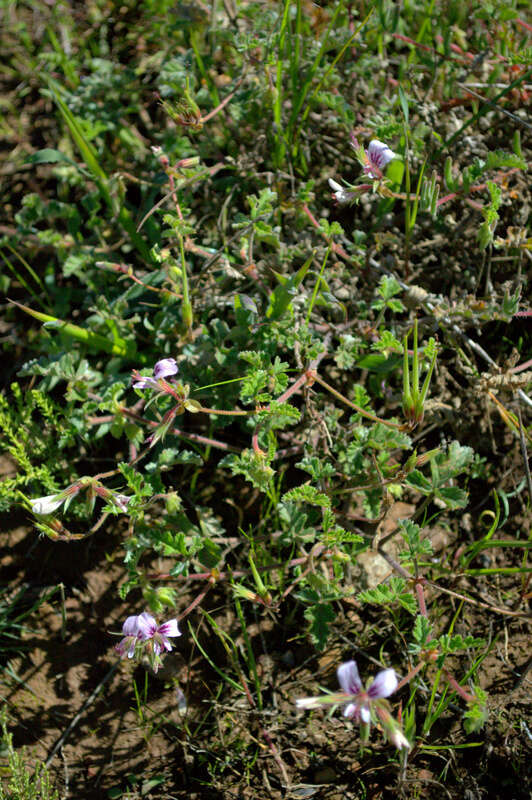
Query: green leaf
{"points": [[320, 617], [307, 494], [51, 156], [500, 158], [282, 296], [210, 553], [119, 347], [375, 362], [418, 481], [387, 593], [452, 496], [477, 714], [421, 630]]}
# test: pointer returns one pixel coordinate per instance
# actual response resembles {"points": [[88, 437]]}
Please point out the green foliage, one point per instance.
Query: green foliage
{"points": [[198, 226], [23, 783], [477, 713], [386, 594], [444, 467], [491, 216], [307, 494], [319, 617]]}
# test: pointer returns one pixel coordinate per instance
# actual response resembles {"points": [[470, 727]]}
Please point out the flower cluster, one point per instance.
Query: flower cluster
{"points": [[364, 705], [143, 636]]}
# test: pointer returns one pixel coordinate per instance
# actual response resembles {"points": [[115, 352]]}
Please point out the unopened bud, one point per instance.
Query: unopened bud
{"points": [[187, 163]]}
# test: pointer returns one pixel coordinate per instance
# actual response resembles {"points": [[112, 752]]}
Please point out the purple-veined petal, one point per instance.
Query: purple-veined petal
{"points": [[364, 714], [131, 626], [166, 643], [165, 367], [169, 628], [348, 678], [379, 154], [146, 626], [384, 685], [48, 504]]}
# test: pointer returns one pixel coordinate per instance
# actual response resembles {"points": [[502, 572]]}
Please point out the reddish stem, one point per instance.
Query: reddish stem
{"points": [[469, 698], [420, 594], [411, 674]]}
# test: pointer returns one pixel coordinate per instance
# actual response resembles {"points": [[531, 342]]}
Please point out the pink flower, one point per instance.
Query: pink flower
{"points": [[364, 705], [384, 684], [378, 156], [165, 367], [162, 369], [142, 636], [159, 634], [121, 501], [128, 643]]}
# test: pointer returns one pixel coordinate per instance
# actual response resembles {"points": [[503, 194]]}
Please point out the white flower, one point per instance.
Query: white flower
{"points": [[309, 702], [48, 504], [398, 739], [341, 195]]}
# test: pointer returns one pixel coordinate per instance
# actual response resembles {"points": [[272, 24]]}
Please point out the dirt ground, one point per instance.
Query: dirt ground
{"points": [[104, 720]]}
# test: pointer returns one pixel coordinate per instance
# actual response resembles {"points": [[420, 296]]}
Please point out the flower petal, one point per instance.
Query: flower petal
{"points": [[165, 367], [131, 626], [384, 685], [398, 739], [309, 702], [379, 153], [122, 501], [341, 195], [48, 504], [169, 628], [146, 626], [335, 186], [348, 678], [351, 711], [364, 714]]}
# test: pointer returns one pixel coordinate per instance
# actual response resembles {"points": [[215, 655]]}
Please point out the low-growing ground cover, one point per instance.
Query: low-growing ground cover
{"points": [[266, 409]]}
